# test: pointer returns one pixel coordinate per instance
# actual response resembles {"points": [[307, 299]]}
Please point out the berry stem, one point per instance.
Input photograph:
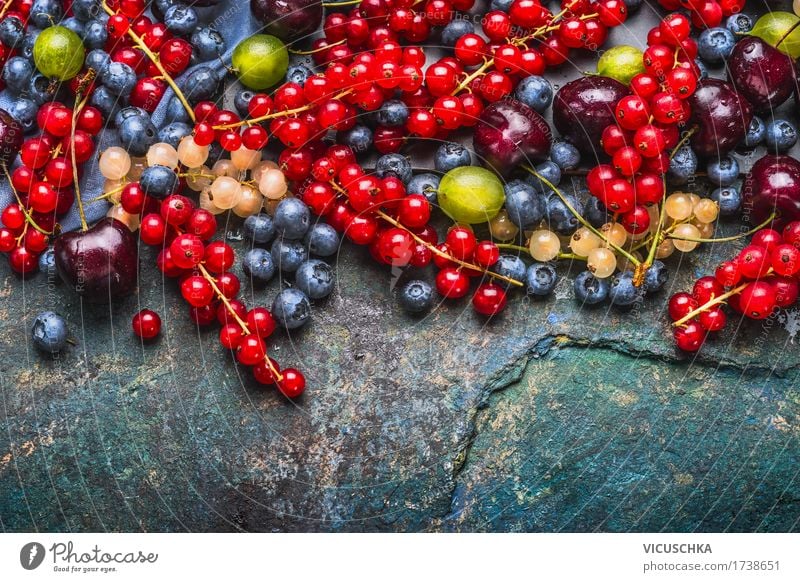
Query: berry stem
{"points": [[242, 324], [80, 103], [7, 5], [725, 238], [711, 303], [28, 218], [472, 76], [319, 49], [157, 62], [580, 218], [511, 247]]}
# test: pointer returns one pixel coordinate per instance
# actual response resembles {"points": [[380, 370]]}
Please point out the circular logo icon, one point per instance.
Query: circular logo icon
{"points": [[31, 555]]}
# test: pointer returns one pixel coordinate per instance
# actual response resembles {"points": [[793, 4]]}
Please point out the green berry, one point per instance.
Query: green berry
{"points": [[471, 195], [58, 53], [261, 61]]}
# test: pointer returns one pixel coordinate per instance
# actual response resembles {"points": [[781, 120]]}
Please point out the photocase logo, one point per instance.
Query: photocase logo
{"points": [[31, 555]]}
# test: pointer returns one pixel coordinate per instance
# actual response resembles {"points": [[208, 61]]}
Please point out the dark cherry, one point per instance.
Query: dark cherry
{"points": [[100, 264], [722, 117], [583, 108], [11, 138], [773, 184], [764, 75], [289, 20], [510, 133]]}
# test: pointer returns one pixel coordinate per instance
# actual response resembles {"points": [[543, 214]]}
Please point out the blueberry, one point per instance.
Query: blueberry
{"points": [[175, 111], [292, 218], [298, 74], [97, 59], [322, 240], [780, 136], [723, 171], [160, 7], [729, 200], [715, 45], [560, 217], [426, 184], [95, 35], [455, 29], [623, 292], [129, 111], [104, 101], [540, 279], [158, 181], [359, 138], [174, 133], [393, 113], [510, 266], [655, 277], [74, 25], [739, 23], [86, 10], [702, 69], [201, 84], [119, 78], [565, 155], [12, 31], [524, 205], [536, 92], [47, 263], [451, 155], [756, 132], [49, 332], [207, 43], [502, 5], [595, 212], [242, 101], [291, 308], [315, 278], [180, 19], [590, 290], [682, 166], [136, 134], [26, 46], [396, 165], [288, 255], [45, 13], [416, 296], [257, 264], [17, 73], [24, 111], [633, 5], [547, 170], [259, 228]]}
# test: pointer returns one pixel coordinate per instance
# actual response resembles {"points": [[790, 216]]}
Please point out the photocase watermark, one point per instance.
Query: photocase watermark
{"points": [[65, 557]]}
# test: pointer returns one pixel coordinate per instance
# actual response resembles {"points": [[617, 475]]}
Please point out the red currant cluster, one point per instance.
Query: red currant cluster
{"points": [[647, 126], [148, 47], [202, 268], [44, 181], [762, 278], [705, 13], [16, 12]]}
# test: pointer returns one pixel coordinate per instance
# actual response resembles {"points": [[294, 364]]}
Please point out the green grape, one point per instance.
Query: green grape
{"points": [[58, 53], [621, 63], [261, 61], [781, 30], [471, 195]]}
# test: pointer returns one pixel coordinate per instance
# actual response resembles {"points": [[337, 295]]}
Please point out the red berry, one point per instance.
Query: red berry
{"points": [[146, 324], [767, 238], [758, 300], [785, 259], [489, 299], [680, 305], [786, 290], [260, 322], [263, 372], [461, 242], [690, 336], [187, 250], [395, 247], [219, 256], [202, 223], [414, 211], [753, 262], [197, 291], [251, 350], [293, 383], [452, 283], [486, 254], [230, 335], [152, 229], [728, 274], [705, 289], [713, 319]]}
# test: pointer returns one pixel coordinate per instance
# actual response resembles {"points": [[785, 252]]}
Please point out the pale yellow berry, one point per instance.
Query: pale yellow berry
{"points": [[114, 190], [665, 249], [625, 264], [260, 168], [190, 154], [226, 192], [602, 262], [694, 198], [250, 202], [685, 230], [162, 154], [544, 245], [206, 203], [655, 214], [678, 206], [706, 211], [114, 163], [273, 184], [137, 167], [501, 228], [245, 159], [129, 220], [199, 178], [583, 241], [706, 229], [225, 168], [615, 233]]}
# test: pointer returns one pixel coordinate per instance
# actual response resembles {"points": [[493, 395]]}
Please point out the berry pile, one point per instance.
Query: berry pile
{"points": [[705, 13], [763, 277]]}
